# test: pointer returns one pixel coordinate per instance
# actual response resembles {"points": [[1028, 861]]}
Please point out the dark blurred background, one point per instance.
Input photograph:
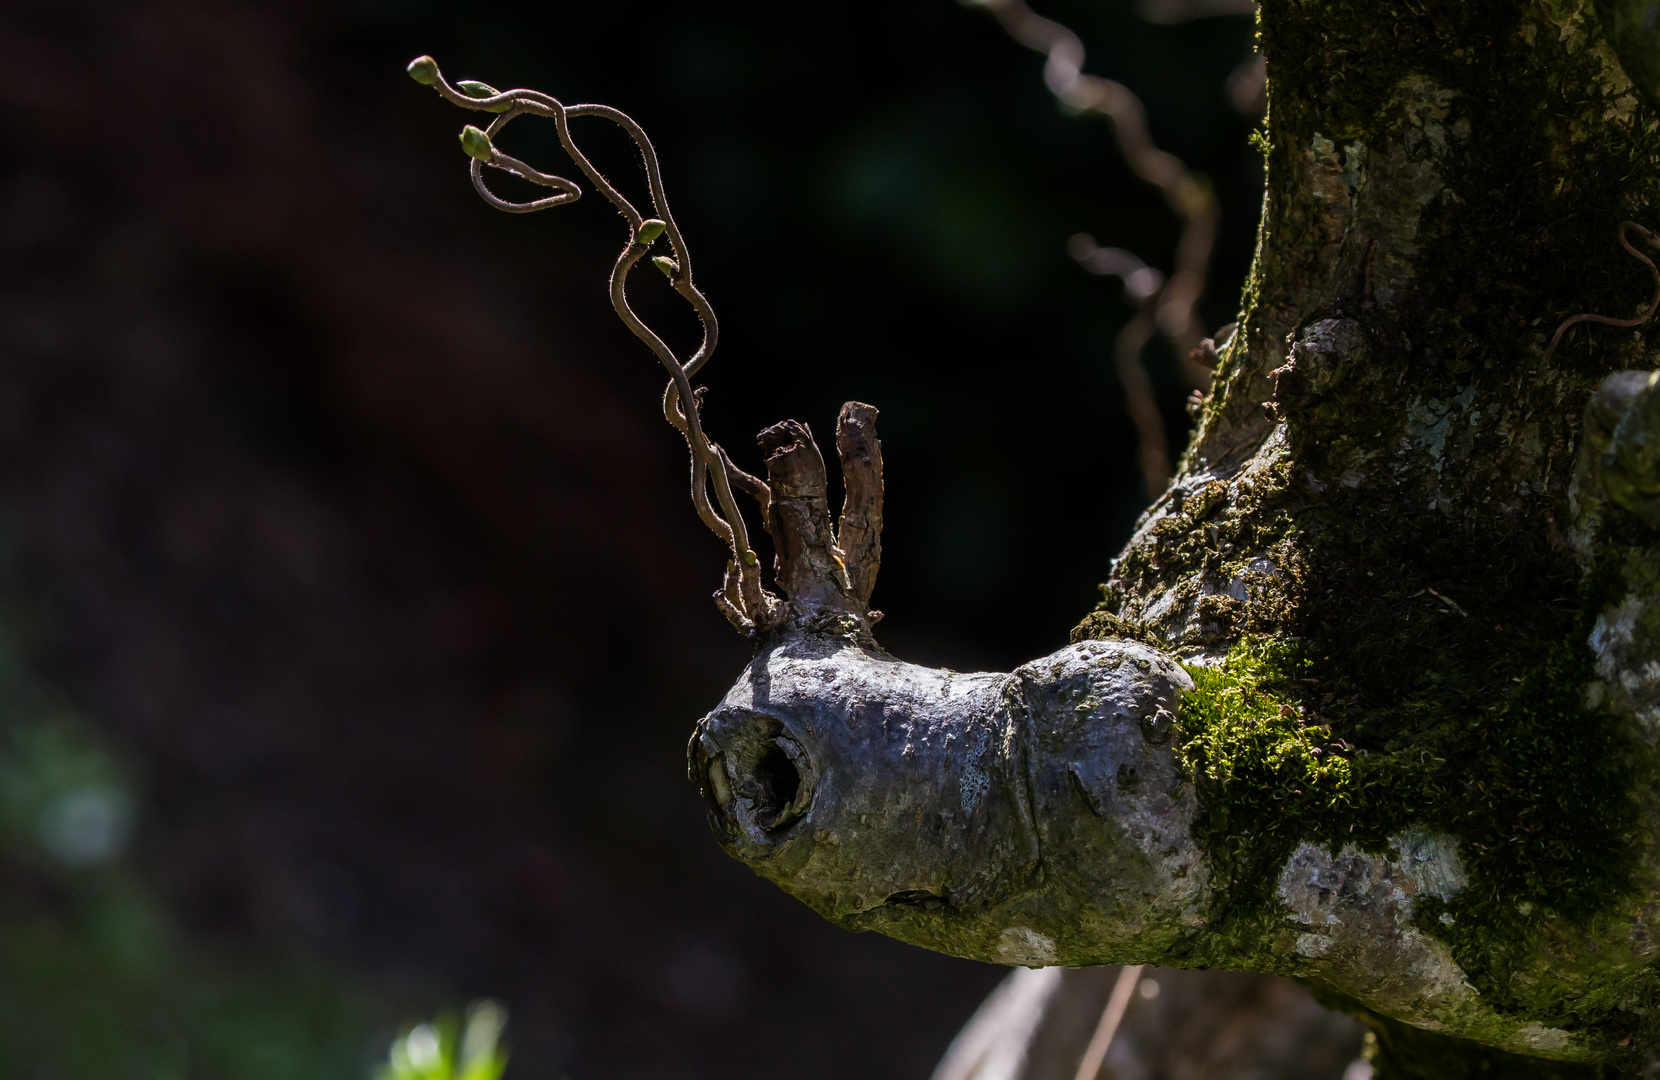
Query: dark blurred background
{"points": [[355, 613]]}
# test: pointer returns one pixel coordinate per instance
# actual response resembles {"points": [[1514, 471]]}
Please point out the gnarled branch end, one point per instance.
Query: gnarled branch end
{"points": [[826, 573]]}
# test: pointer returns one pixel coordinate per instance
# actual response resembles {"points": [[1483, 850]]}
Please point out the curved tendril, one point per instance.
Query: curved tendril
{"points": [[1606, 320], [1188, 196], [709, 464], [702, 449], [568, 191]]}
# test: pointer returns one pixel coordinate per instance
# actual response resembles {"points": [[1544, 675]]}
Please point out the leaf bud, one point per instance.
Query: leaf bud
{"points": [[751, 559], [666, 264], [650, 229], [424, 70], [474, 88], [476, 143]]}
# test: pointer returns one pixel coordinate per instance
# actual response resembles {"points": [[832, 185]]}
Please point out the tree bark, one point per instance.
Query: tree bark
{"points": [[1374, 695]]}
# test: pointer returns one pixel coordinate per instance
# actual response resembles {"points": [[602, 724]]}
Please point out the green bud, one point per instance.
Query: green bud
{"points": [[476, 143], [666, 264], [424, 70], [650, 229], [751, 559], [474, 88]]}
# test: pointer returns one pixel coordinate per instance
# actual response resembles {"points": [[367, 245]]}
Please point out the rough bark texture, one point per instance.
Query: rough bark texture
{"points": [[944, 808], [1409, 753]]}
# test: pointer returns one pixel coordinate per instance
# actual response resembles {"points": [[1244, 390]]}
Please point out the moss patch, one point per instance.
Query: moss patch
{"points": [[1418, 617], [1536, 788], [1399, 1051], [1265, 775]]}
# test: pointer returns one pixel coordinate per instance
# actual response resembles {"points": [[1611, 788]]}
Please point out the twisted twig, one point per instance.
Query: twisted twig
{"points": [[1653, 305], [1187, 195], [743, 599], [1141, 285], [1172, 303]]}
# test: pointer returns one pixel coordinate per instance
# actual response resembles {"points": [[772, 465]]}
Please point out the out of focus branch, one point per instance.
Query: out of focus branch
{"points": [[1171, 307], [1188, 196], [1142, 284]]}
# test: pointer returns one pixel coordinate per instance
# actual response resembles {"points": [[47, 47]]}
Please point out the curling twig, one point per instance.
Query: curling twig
{"points": [[1653, 304], [1170, 307], [1141, 285], [1187, 195], [743, 600]]}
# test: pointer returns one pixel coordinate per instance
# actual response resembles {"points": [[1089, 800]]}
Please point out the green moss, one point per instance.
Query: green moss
{"points": [[1400, 1051], [1102, 625], [1424, 625], [1536, 788], [1263, 772]]}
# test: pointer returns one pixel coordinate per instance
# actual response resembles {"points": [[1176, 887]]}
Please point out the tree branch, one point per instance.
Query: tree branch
{"points": [[859, 532]]}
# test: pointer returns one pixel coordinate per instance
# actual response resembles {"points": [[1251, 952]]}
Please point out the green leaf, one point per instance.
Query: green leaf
{"points": [[475, 89]]}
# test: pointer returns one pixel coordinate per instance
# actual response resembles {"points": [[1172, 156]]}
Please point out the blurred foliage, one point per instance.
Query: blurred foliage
{"points": [[433, 1052], [96, 980]]}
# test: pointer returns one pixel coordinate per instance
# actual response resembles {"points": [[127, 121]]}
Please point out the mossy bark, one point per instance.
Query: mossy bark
{"points": [[1413, 757], [1385, 538]]}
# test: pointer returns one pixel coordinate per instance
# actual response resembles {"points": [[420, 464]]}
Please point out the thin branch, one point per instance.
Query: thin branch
{"points": [[1162, 305], [1141, 285], [1653, 305], [743, 600], [1096, 1053], [1188, 195], [859, 529]]}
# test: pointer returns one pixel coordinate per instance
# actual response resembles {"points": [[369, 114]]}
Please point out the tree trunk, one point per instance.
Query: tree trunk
{"points": [[1412, 582]]}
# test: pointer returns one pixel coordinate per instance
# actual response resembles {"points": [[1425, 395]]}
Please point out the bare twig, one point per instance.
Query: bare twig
{"points": [[1090, 1067], [825, 573], [743, 600], [1162, 305], [1653, 305], [1141, 285], [859, 530], [1188, 196]]}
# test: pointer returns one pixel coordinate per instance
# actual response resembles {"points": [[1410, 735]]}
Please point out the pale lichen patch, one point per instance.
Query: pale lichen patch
{"points": [[1431, 861], [1538, 1037], [1024, 946]]}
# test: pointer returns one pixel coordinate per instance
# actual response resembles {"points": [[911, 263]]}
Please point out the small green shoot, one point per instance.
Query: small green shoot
{"points": [[432, 1051]]}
